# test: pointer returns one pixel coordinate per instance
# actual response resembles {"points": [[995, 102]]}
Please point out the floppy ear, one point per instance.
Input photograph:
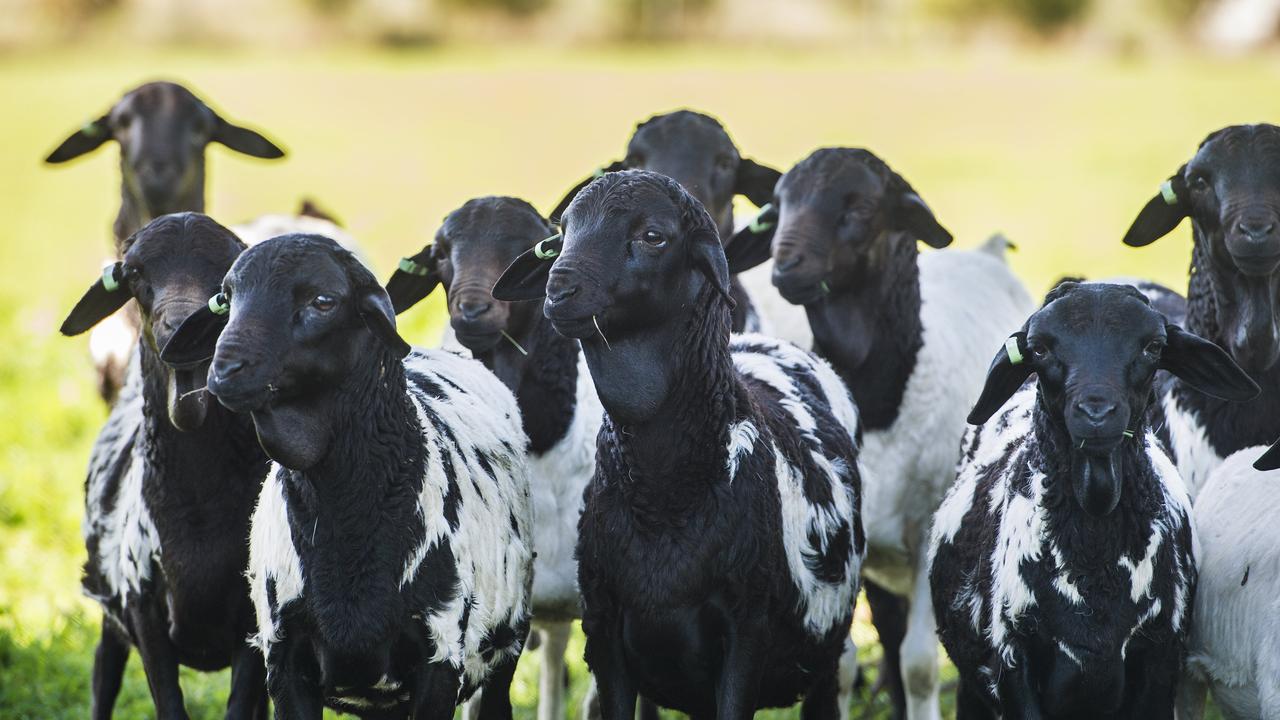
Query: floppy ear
{"points": [[914, 216], [413, 280], [1008, 371], [1161, 214], [104, 297], [244, 140], [563, 205], [752, 245], [88, 138], [755, 182], [380, 317], [708, 257], [1270, 460], [1205, 366], [196, 338], [526, 277]]}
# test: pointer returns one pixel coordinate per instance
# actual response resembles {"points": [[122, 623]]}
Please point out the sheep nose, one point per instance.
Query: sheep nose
{"points": [[788, 261], [224, 369], [1096, 410], [1255, 230], [561, 292], [472, 309]]}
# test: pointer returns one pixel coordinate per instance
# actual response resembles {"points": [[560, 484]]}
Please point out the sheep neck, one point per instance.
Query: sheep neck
{"points": [[669, 396], [545, 381], [869, 328], [134, 212]]}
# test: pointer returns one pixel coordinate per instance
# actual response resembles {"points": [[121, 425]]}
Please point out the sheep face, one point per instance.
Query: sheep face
{"points": [[1095, 349], [638, 249], [162, 129], [172, 266], [307, 324], [838, 212], [1231, 191]]}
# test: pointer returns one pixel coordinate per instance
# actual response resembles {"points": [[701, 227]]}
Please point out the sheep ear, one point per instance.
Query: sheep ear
{"points": [[196, 338], [755, 182], [914, 216], [380, 317], [1009, 370], [87, 139], [752, 245], [104, 297], [1205, 366], [563, 205], [526, 277], [414, 279], [709, 257], [1270, 460], [244, 140], [1161, 214]]}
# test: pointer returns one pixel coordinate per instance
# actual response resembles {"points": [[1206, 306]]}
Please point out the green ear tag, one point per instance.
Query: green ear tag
{"points": [[109, 281], [413, 268], [218, 304], [1166, 192], [598, 173], [91, 129], [757, 225], [544, 253], [1128, 433], [1011, 348]]}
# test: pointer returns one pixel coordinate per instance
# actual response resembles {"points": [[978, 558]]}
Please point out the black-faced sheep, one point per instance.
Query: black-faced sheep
{"points": [[546, 371], [1231, 191], [389, 557], [171, 486], [1062, 560], [695, 150], [720, 541], [909, 333]]}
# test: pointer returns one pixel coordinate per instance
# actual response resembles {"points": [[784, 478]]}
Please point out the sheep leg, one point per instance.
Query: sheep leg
{"points": [[1192, 693], [159, 657], [109, 661], [741, 671], [435, 690], [970, 705], [889, 615], [920, 653], [495, 703], [615, 690], [831, 697], [555, 639], [248, 684], [1017, 697], [292, 682]]}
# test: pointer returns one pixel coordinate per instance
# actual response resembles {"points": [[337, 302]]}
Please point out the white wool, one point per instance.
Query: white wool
{"points": [[1194, 456]]}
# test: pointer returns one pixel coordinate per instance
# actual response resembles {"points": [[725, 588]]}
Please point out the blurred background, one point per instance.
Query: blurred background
{"points": [[1052, 121]]}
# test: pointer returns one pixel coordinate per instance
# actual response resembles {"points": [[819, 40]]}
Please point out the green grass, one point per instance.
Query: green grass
{"points": [[1057, 151]]}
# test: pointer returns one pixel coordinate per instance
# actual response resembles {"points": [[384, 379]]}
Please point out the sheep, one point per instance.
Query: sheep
{"points": [[162, 129], [908, 333], [1229, 190], [720, 540], [1063, 559], [171, 485], [558, 403], [1234, 643], [389, 557], [694, 149]]}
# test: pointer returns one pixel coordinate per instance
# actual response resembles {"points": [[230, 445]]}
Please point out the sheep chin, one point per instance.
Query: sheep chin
{"points": [[188, 398], [1095, 480]]}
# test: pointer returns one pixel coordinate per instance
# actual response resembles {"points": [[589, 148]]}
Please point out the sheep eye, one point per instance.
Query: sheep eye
{"points": [[1038, 352], [724, 162], [1154, 348], [1199, 183], [655, 238], [323, 303]]}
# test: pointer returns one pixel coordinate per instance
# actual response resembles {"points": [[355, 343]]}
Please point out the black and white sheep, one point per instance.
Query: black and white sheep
{"points": [[1234, 645], [558, 404], [720, 541], [1063, 559], [162, 129], [696, 151], [389, 556], [171, 486], [909, 333], [1231, 191]]}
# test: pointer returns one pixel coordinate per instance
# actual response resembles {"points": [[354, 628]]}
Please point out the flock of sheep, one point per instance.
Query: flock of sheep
{"points": [[633, 437]]}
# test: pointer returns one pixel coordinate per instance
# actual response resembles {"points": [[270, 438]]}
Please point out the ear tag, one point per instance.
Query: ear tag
{"points": [[758, 224], [218, 304], [413, 268], [546, 253], [1011, 348], [1166, 192], [91, 129], [597, 173], [1128, 433], [109, 281], [826, 289]]}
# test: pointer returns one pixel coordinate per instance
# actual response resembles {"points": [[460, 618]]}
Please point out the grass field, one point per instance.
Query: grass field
{"points": [[1058, 152]]}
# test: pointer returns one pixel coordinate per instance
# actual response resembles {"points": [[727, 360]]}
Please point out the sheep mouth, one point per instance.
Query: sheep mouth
{"points": [[578, 328], [478, 341], [1256, 265], [188, 396], [798, 291]]}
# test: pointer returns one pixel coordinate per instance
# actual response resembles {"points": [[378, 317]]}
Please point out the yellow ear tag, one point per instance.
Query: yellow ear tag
{"points": [[1011, 348]]}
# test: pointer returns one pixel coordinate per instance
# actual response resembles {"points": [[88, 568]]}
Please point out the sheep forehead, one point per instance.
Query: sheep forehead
{"points": [[287, 261], [1113, 310], [636, 191], [157, 97], [1240, 142], [492, 219], [704, 130], [838, 170], [184, 239]]}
